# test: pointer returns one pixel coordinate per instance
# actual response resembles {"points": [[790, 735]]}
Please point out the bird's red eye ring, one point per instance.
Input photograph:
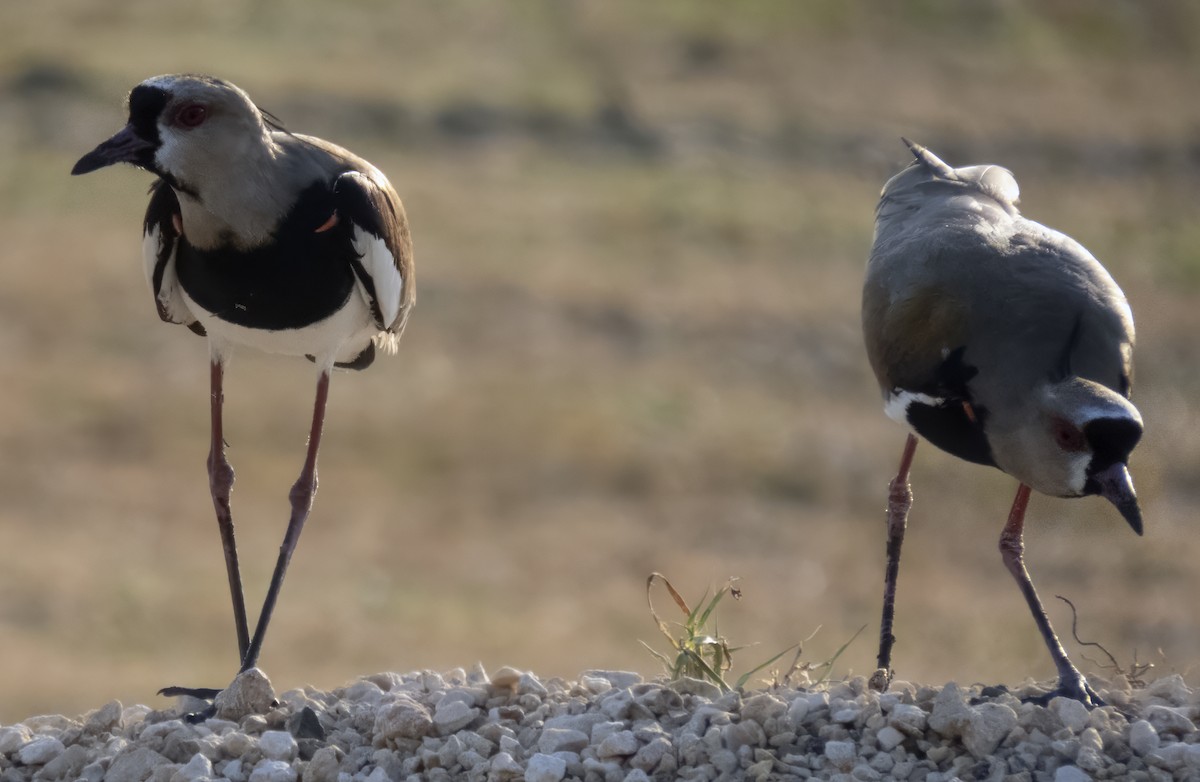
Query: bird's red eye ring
{"points": [[191, 115], [1068, 437]]}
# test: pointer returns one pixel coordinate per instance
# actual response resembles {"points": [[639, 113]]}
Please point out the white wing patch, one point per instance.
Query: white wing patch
{"points": [[151, 247], [168, 294], [898, 401], [380, 266]]}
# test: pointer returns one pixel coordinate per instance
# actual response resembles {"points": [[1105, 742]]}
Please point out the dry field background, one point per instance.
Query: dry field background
{"points": [[640, 231]]}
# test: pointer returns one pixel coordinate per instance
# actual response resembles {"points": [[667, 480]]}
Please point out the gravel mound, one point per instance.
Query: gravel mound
{"points": [[611, 726]]}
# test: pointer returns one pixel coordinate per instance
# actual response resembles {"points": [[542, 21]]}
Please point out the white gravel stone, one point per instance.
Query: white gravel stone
{"points": [[841, 754], [594, 684], [847, 715], [1074, 715], [451, 716], [1172, 689], [762, 707], [908, 719], [615, 704], [618, 744], [889, 738], [510, 745], [40, 751], [379, 774], [797, 711], [105, 718], [745, 733], [13, 738], [689, 686], [273, 771], [529, 684], [580, 722], [1143, 738], [618, 679], [1167, 719], [602, 730], [506, 678], [324, 766], [950, 713], [393, 727], [402, 718], [50, 723], [1071, 774], [562, 740], [364, 691], [232, 770], [136, 765], [987, 725], [249, 693], [1090, 738], [237, 744], [1170, 756], [67, 765], [651, 754], [92, 772], [1090, 760], [503, 765], [470, 759], [199, 767], [724, 761], [278, 745], [545, 768]]}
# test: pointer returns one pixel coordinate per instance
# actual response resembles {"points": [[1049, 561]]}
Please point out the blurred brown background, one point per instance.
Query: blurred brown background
{"points": [[640, 230]]}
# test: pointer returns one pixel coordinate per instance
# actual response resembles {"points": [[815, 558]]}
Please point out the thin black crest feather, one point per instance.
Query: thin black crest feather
{"points": [[276, 124], [272, 122], [1063, 370]]}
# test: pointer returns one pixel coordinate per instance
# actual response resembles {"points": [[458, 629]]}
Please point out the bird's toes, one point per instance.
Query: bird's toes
{"points": [[1074, 687], [203, 693], [196, 703], [881, 679], [196, 717]]}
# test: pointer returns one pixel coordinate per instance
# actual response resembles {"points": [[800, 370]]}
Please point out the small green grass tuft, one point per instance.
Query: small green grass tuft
{"points": [[698, 652], [802, 673]]}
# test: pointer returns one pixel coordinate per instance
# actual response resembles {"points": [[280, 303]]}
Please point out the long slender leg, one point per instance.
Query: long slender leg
{"points": [[301, 498], [1071, 682], [899, 502], [220, 481]]}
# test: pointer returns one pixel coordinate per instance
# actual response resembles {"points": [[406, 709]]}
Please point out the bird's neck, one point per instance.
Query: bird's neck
{"points": [[245, 216]]}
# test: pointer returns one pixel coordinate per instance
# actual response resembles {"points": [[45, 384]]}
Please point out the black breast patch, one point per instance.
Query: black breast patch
{"points": [[952, 428], [957, 424], [298, 278]]}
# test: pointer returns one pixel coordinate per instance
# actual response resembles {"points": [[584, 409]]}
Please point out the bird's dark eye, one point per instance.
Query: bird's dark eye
{"points": [[191, 115], [1068, 436]]}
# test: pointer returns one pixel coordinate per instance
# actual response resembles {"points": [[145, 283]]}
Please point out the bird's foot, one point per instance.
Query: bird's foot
{"points": [[198, 704], [249, 693], [203, 693], [881, 679], [1070, 685]]}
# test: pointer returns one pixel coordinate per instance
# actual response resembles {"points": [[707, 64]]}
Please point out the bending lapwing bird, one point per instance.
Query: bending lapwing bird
{"points": [[1005, 343], [258, 237]]}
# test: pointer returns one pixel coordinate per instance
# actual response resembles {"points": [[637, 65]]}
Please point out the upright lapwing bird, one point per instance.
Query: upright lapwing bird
{"points": [[1005, 343], [263, 238]]}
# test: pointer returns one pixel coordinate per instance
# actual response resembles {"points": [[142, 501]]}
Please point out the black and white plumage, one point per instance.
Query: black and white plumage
{"points": [[1005, 343], [262, 238]]}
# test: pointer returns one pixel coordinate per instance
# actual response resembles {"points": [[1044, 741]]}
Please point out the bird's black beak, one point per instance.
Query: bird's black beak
{"points": [[1114, 484], [125, 147]]}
